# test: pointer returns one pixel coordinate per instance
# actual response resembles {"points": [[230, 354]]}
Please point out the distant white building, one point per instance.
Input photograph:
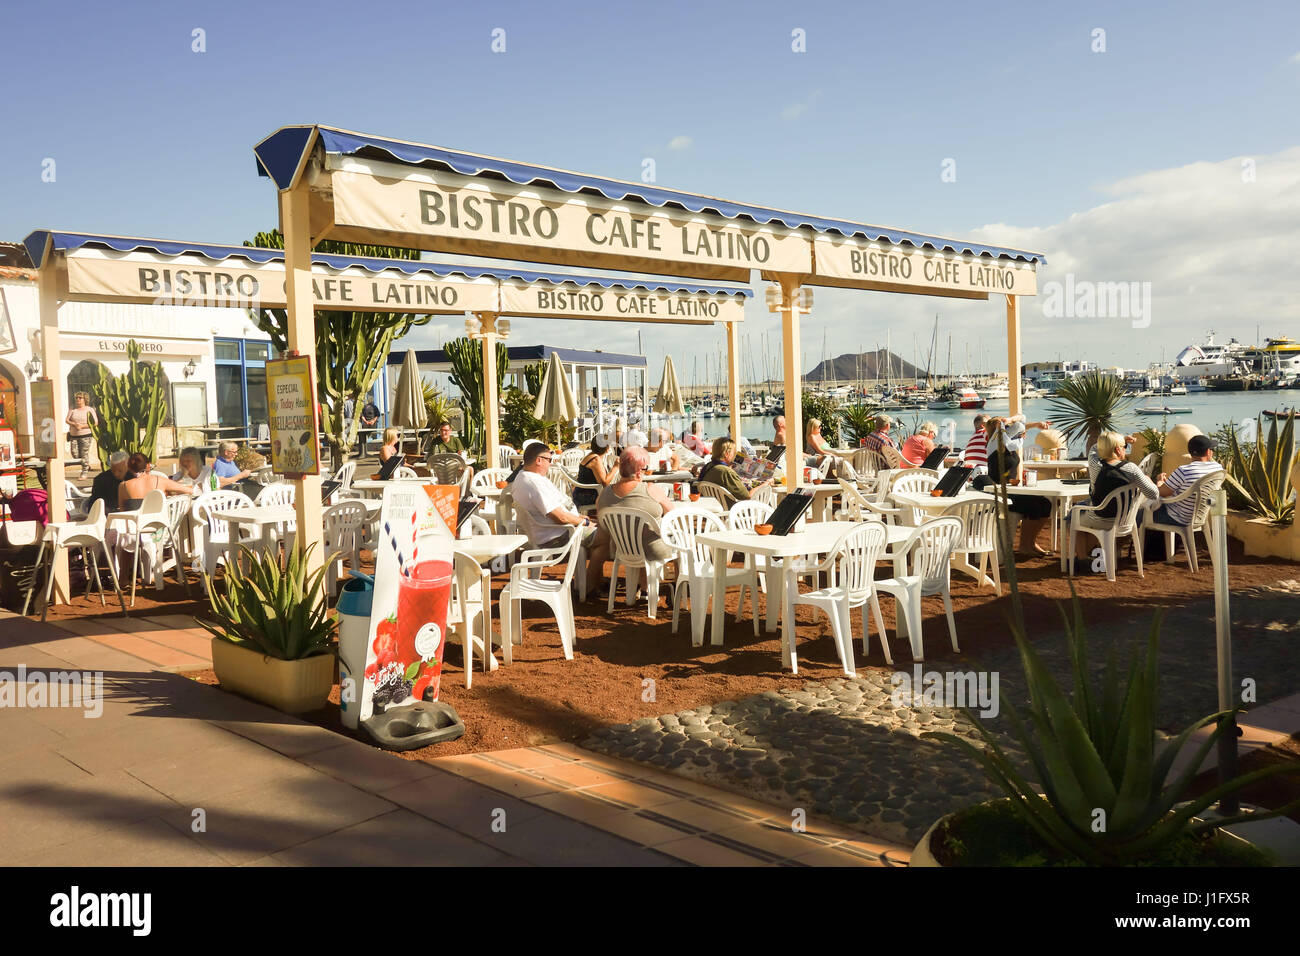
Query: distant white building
{"points": [[213, 359]]}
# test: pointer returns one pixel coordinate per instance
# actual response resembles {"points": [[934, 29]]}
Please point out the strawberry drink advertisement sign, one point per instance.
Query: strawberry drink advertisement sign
{"points": [[408, 616]]}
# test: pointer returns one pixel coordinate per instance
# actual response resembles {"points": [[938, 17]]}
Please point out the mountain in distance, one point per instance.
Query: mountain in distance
{"points": [[878, 364]]}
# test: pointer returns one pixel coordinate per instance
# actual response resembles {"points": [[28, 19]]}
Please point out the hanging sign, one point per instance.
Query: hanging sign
{"points": [[572, 301], [45, 434], [859, 264], [294, 416]]}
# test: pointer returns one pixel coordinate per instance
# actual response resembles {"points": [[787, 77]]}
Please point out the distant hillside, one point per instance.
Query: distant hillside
{"points": [[879, 364]]}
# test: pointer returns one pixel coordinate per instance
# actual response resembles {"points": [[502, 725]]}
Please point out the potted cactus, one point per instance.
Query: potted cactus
{"points": [[273, 637], [1105, 794]]}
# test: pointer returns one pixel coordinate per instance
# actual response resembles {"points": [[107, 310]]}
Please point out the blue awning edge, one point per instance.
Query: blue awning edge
{"points": [[275, 159], [38, 242]]}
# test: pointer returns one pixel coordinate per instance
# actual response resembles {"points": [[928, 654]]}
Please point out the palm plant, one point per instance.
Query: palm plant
{"points": [[1260, 474], [1089, 404], [1103, 797], [859, 421], [281, 612], [437, 406]]}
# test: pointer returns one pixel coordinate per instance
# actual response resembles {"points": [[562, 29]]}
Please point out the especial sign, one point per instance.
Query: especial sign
{"points": [[294, 417]]}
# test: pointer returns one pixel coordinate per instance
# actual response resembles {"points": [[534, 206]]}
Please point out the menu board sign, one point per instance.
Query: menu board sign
{"points": [[291, 404]]}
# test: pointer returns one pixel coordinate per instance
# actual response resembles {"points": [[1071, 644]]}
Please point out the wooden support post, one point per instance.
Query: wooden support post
{"points": [[792, 352], [301, 315], [51, 363], [491, 407], [733, 379], [1013, 353]]}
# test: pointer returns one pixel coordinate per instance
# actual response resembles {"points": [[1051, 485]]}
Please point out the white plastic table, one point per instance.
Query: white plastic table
{"points": [[260, 519], [484, 547]]}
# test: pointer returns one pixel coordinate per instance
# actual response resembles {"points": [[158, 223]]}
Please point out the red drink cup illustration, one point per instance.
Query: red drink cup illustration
{"points": [[422, 601]]}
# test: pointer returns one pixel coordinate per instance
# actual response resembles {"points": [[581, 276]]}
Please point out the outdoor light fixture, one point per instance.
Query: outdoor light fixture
{"points": [[473, 326], [503, 328], [33, 366], [774, 297], [805, 299], [190, 368]]}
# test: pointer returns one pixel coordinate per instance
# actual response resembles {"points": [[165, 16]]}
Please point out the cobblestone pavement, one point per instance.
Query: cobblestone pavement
{"points": [[840, 749]]}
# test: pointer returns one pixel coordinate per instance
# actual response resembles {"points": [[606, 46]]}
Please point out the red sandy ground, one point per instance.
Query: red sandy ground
{"points": [[542, 698]]}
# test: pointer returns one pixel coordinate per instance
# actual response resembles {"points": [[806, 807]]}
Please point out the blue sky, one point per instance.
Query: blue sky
{"points": [[151, 138]]}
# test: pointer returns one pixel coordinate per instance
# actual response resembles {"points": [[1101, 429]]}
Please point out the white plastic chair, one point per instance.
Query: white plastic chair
{"points": [[469, 614], [561, 478], [87, 534], [851, 569], [745, 516], [448, 469], [724, 497], [680, 529], [555, 594], [347, 471], [572, 458], [149, 530], [626, 528], [504, 452], [912, 481], [855, 506], [1203, 491], [217, 544], [344, 527], [980, 521], [1127, 501], [765, 494], [75, 500], [930, 549], [279, 495], [486, 480], [402, 473]]}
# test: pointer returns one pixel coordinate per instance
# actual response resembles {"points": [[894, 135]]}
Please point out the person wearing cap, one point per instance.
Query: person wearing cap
{"points": [[1201, 448], [592, 471], [879, 438]]}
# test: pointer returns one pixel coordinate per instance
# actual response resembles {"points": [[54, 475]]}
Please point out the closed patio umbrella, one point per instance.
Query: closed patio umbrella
{"points": [[669, 400], [555, 402], [408, 403]]}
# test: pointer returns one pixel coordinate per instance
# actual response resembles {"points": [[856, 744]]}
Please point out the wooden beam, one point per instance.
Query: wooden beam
{"points": [[793, 381], [733, 379], [491, 408], [294, 212], [1013, 353], [51, 362]]}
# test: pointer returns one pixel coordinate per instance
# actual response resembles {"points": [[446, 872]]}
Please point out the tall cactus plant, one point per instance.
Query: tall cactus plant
{"points": [[130, 408], [466, 359]]}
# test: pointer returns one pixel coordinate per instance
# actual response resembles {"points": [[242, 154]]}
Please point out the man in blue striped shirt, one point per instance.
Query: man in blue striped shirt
{"points": [[1201, 448]]}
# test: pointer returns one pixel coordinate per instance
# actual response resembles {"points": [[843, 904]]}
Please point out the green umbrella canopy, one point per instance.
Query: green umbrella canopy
{"points": [[556, 403], [669, 400], [408, 403]]}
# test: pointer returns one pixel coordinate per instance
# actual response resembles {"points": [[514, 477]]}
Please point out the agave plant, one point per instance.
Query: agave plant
{"points": [[1103, 796], [1261, 473], [859, 421], [279, 611], [1088, 405]]}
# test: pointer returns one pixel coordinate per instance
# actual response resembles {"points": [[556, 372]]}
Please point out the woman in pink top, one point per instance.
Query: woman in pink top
{"points": [[79, 421], [916, 448]]}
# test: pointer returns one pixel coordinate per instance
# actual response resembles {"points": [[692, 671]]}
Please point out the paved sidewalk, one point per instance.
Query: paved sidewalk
{"points": [[174, 772]]}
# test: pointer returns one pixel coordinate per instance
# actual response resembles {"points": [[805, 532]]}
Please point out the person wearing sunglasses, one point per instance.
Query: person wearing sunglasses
{"points": [[542, 508]]}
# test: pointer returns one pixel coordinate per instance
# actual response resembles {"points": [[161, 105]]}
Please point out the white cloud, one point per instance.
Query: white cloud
{"points": [[1294, 57], [796, 110], [680, 142]]}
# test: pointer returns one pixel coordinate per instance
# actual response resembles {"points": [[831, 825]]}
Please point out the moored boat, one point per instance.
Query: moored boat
{"points": [[1165, 410]]}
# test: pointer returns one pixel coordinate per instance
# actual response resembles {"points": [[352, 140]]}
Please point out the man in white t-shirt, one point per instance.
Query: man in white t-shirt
{"points": [[543, 510]]}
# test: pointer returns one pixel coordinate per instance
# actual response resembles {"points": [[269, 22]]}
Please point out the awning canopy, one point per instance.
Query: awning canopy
{"points": [[160, 271], [529, 355], [375, 189]]}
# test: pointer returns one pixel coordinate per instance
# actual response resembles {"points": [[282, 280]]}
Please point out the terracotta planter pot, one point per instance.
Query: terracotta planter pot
{"points": [[290, 686]]}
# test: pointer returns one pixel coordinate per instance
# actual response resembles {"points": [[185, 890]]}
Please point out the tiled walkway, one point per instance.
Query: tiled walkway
{"points": [[178, 773]]}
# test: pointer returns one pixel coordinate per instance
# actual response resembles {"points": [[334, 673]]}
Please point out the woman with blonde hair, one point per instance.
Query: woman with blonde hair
{"points": [[391, 437], [817, 450], [1109, 469], [718, 470]]}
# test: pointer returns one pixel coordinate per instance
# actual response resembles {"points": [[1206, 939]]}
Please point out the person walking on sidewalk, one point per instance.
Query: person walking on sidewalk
{"points": [[79, 421]]}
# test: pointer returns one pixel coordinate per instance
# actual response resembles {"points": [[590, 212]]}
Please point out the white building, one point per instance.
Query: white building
{"points": [[213, 359]]}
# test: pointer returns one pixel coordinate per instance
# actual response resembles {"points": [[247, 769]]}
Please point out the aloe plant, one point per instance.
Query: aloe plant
{"points": [[1261, 473], [1103, 797], [1089, 404], [127, 405], [280, 611]]}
